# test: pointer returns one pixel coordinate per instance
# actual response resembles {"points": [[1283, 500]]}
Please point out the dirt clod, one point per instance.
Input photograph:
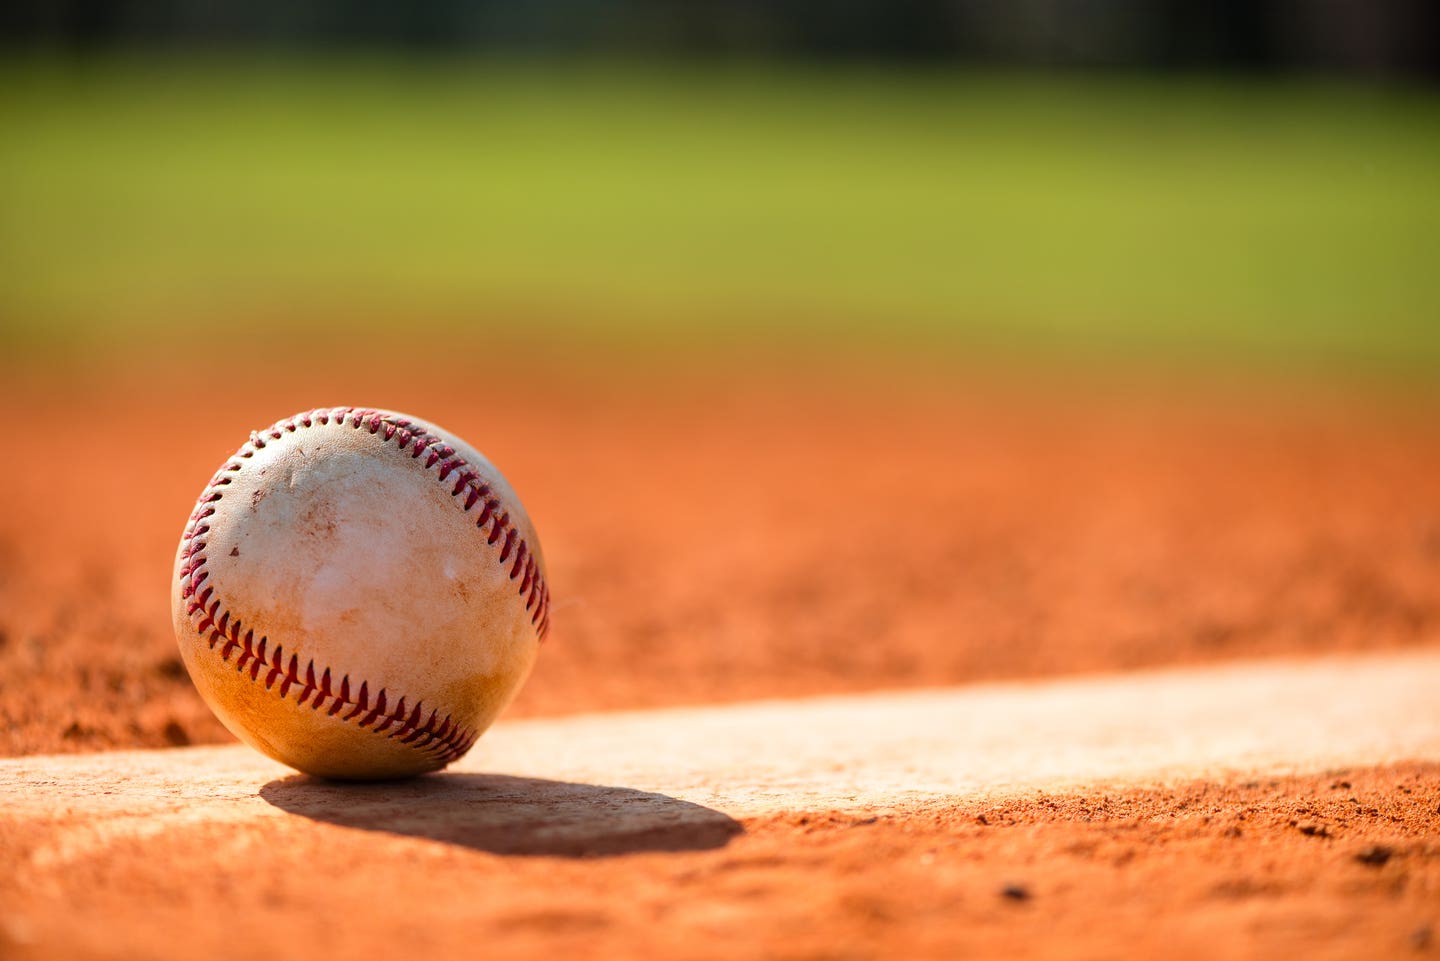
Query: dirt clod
{"points": [[1375, 855], [175, 734]]}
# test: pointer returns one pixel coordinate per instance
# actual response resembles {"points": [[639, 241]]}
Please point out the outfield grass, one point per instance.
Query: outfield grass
{"points": [[1248, 220]]}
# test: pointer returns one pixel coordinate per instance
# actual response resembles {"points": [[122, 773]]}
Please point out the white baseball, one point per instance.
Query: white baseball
{"points": [[359, 594]]}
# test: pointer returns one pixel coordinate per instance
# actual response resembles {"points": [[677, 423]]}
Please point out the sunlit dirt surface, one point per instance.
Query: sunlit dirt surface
{"points": [[751, 532], [747, 532], [1340, 865]]}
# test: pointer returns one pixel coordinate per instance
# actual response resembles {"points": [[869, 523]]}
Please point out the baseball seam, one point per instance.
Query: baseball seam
{"points": [[440, 737]]}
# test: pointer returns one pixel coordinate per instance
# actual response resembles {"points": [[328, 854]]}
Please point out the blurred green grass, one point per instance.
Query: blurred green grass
{"points": [[1284, 222]]}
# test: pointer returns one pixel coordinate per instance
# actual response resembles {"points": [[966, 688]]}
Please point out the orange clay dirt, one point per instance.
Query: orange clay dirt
{"points": [[1345, 865], [714, 539]]}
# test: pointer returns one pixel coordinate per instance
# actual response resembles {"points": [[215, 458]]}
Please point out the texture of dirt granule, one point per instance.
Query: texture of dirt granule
{"points": [[1341, 865], [716, 537]]}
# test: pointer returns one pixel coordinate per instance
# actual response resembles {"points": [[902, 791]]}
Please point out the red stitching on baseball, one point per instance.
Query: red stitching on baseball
{"points": [[439, 736]]}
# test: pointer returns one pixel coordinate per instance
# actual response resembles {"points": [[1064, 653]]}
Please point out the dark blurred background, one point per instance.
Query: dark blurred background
{"points": [[1383, 38], [1232, 182]]}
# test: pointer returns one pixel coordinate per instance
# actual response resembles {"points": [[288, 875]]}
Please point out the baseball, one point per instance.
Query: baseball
{"points": [[359, 594]]}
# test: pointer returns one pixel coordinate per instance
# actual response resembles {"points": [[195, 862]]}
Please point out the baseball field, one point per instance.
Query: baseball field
{"points": [[985, 515]]}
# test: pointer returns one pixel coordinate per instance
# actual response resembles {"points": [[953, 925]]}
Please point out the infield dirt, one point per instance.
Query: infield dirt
{"points": [[717, 538]]}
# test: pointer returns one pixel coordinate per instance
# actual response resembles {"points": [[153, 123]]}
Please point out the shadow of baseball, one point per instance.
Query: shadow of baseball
{"points": [[510, 815]]}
